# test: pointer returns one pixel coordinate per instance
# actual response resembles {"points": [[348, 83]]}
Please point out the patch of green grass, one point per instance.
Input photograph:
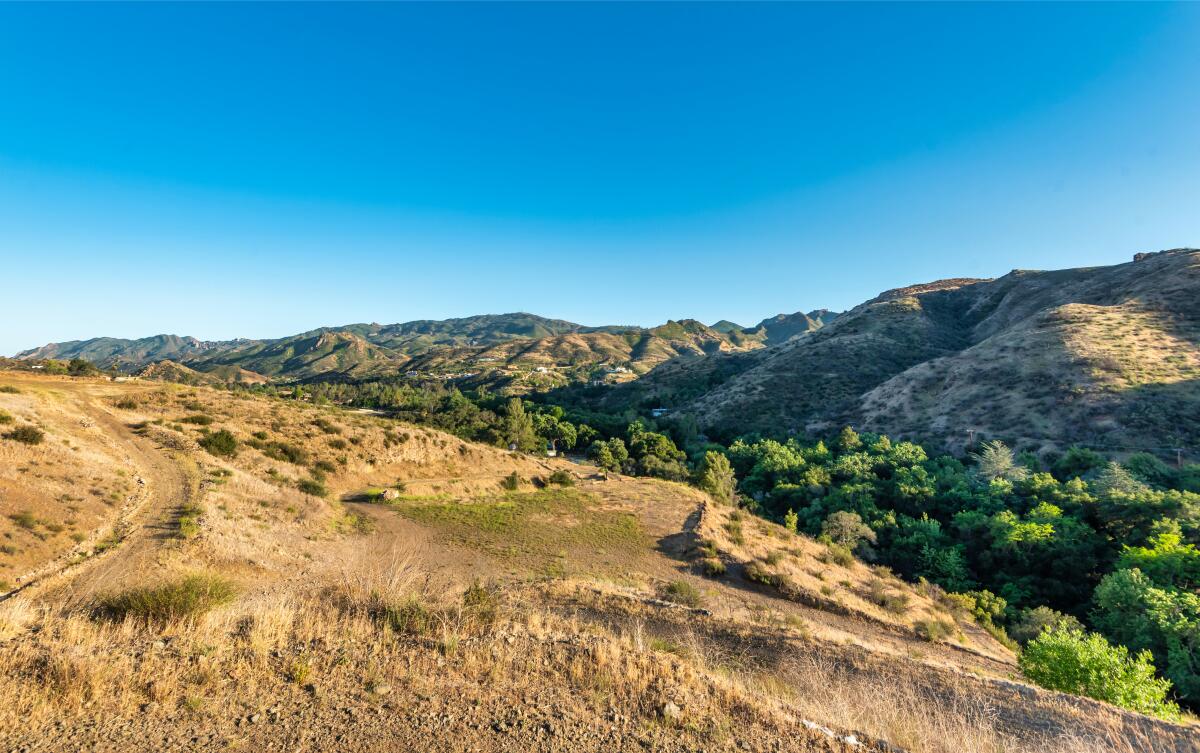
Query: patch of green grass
{"points": [[199, 419], [354, 522], [9, 389], [191, 596], [5, 417], [189, 520], [539, 524], [666, 646]]}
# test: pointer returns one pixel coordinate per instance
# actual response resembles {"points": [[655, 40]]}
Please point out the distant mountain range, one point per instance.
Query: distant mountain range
{"points": [[1107, 356], [498, 348]]}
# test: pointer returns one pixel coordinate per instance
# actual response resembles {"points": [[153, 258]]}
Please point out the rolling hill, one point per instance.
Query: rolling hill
{"points": [[506, 343], [1109, 356], [339, 580]]}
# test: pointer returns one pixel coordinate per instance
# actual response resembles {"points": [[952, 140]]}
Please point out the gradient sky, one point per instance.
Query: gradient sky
{"points": [[226, 170]]}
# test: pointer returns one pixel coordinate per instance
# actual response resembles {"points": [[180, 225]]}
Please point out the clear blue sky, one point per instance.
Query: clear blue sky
{"points": [[257, 170]]}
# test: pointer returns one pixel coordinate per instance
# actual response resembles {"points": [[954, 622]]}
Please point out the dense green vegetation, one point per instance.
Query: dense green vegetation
{"points": [[1029, 543]]}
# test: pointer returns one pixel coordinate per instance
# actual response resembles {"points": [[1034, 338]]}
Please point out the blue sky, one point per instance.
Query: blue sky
{"points": [[229, 170]]}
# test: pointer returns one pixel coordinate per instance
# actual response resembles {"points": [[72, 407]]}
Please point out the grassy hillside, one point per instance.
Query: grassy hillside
{"points": [[316, 578], [1108, 356], [499, 350]]}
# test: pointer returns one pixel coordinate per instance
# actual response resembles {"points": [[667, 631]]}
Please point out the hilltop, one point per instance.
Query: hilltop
{"points": [[1107, 356], [331, 578], [502, 350]]}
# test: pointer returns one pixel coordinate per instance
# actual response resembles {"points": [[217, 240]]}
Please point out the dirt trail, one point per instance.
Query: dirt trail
{"points": [[141, 528]]}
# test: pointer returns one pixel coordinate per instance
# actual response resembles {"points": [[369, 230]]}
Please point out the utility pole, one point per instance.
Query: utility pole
{"points": [[1178, 458]]}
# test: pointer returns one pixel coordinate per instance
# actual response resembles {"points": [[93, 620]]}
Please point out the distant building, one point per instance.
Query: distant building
{"points": [[659, 412]]}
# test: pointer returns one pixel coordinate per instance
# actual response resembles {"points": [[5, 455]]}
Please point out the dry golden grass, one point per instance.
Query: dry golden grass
{"points": [[325, 615]]}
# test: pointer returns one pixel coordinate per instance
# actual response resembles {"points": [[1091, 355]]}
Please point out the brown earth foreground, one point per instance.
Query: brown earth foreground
{"points": [[454, 614]]}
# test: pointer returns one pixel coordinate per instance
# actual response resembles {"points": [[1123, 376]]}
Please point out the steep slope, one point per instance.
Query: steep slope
{"points": [[524, 364], [413, 338], [170, 371], [1106, 355], [783, 327], [112, 352], [305, 356]]}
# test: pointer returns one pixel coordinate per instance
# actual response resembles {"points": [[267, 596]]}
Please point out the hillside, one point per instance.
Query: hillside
{"points": [[356, 581], [499, 350], [305, 356], [1108, 356], [129, 355]]}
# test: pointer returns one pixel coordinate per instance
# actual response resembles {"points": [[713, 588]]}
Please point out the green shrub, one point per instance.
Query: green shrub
{"points": [[26, 435], [199, 419], [5, 417], [896, 603], [480, 602], [285, 452], [682, 592], [220, 443], [1072, 661], [410, 618], [127, 403], [840, 555], [312, 486], [511, 482], [933, 631], [712, 567], [9, 389], [25, 519], [562, 478], [757, 573], [326, 426], [191, 596], [1034, 622]]}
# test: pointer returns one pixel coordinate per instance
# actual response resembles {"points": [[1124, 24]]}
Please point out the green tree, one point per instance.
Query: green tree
{"points": [[715, 476], [1168, 561], [847, 529], [518, 427], [1114, 479], [995, 460], [1033, 622], [1131, 610], [848, 440], [1070, 661]]}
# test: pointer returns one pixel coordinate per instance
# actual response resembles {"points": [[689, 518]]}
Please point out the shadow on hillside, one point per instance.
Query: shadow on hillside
{"points": [[1161, 418]]}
